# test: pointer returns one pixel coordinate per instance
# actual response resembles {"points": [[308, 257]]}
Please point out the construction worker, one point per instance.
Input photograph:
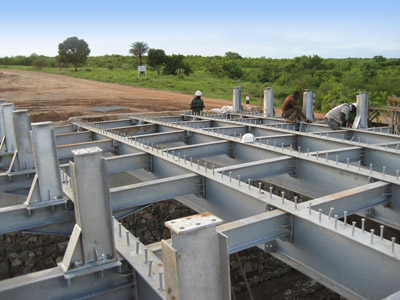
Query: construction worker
{"points": [[197, 104], [339, 115], [291, 111]]}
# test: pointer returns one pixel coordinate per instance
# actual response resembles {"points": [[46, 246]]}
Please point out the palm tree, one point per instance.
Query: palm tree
{"points": [[138, 49]]}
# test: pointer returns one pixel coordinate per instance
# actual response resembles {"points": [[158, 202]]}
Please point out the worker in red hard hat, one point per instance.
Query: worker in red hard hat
{"points": [[197, 104]]}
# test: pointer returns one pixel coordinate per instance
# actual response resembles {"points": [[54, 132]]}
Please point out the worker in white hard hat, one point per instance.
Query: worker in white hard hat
{"points": [[339, 115], [197, 104]]}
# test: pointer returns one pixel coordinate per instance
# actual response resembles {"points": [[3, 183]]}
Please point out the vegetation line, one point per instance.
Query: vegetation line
{"points": [[334, 81]]}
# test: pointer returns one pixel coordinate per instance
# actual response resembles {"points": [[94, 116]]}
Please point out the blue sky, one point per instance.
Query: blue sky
{"points": [[252, 28]]}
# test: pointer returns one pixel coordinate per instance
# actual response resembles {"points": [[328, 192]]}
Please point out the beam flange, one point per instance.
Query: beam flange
{"points": [[354, 200], [261, 168], [65, 151], [155, 190], [127, 162], [204, 149], [252, 231]]}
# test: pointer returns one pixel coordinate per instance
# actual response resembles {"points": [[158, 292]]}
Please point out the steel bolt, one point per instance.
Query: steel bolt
{"points": [[259, 187], [127, 238], [309, 208], [146, 255], [120, 229], [354, 225], [393, 243], [238, 180], [283, 197], [160, 274], [381, 233], [345, 217], [270, 192], [230, 176], [295, 202], [336, 218], [320, 215], [362, 225], [248, 182], [330, 212], [150, 266], [372, 236], [137, 247]]}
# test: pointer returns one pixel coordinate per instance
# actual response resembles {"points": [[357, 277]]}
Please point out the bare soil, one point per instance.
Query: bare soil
{"points": [[50, 97]]}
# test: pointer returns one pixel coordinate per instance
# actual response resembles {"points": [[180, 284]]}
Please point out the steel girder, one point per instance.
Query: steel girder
{"points": [[297, 232]]}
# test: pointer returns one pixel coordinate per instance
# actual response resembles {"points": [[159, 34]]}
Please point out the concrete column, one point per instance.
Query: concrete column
{"points": [[237, 100], [195, 262], [7, 110], [46, 161], [308, 104], [22, 128], [92, 241], [269, 102]]}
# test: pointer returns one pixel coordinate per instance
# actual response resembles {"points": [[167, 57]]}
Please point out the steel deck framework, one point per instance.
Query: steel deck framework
{"points": [[201, 162]]}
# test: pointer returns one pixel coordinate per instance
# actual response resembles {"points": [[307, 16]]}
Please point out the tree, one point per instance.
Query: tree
{"points": [[74, 51], [156, 58], [139, 49], [232, 55], [174, 63], [39, 63]]}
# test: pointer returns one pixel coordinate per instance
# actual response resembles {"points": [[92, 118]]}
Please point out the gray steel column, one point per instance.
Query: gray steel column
{"points": [[195, 262], [46, 163], [361, 120], [22, 127], [2, 132], [92, 241], [269, 102], [237, 100], [7, 110], [308, 104]]}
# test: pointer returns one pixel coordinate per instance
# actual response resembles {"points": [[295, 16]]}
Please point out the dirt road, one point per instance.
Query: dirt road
{"points": [[51, 97]]}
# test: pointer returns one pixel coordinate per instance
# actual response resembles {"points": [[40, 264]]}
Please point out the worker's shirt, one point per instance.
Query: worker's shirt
{"points": [[197, 105], [289, 103], [335, 112]]}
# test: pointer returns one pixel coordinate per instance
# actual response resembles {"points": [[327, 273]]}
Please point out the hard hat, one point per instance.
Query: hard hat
{"points": [[354, 104], [247, 138], [198, 93]]}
